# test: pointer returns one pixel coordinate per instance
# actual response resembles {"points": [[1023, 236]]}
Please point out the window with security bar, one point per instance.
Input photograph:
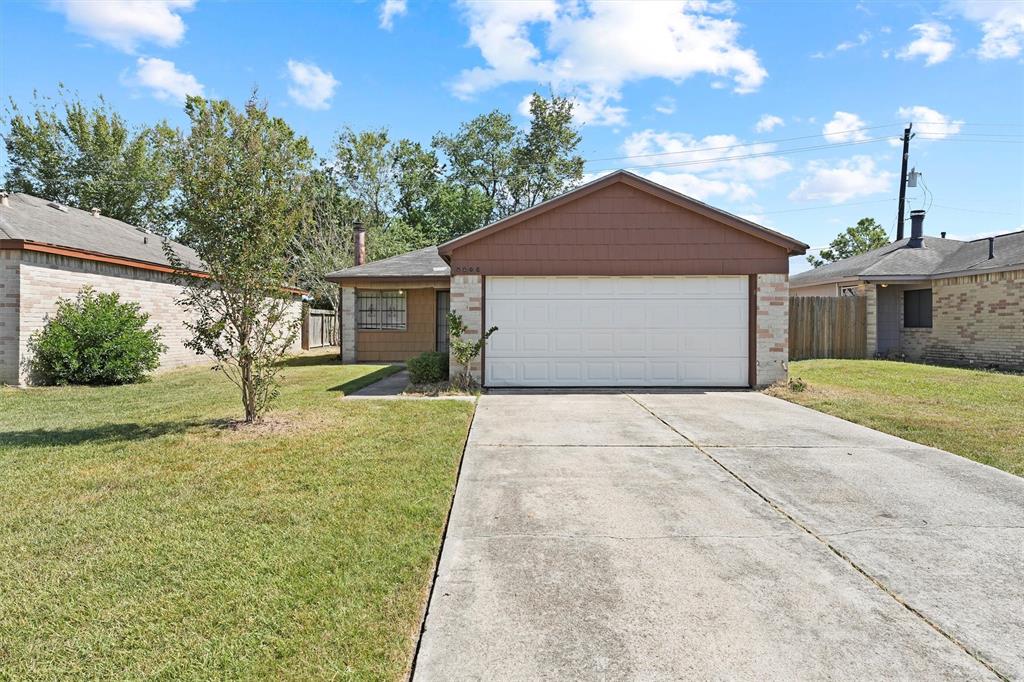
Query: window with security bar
{"points": [[380, 310]]}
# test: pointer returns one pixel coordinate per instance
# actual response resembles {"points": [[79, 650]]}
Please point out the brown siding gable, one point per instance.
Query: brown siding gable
{"points": [[792, 246]]}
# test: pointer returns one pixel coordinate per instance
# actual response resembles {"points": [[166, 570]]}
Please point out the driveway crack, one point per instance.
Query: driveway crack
{"points": [[835, 550]]}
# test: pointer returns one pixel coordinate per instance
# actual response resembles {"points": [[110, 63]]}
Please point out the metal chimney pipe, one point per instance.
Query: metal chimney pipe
{"points": [[359, 243], [916, 229]]}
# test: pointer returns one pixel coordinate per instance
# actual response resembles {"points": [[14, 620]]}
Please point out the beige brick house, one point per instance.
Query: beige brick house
{"points": [[49, 251], [932, 299], [620, 282]]}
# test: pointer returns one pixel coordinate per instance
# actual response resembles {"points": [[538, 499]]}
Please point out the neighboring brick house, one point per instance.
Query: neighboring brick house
{"points": [[49, 251], [620, 282], [932, 299]]}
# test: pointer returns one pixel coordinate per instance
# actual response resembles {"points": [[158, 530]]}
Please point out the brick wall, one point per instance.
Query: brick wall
{"points": [[467, 301], [10, 262], [44, 278], [348, 324], [772, 329], [978, 320]]}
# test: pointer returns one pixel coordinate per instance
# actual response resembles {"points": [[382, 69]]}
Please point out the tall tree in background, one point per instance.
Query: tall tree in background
{"points": [[242, 178], [88, 156], [515, 169], [861, 238]]}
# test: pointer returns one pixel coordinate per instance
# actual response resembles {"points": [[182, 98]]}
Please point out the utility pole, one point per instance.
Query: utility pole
{"points": [[903, 180]]}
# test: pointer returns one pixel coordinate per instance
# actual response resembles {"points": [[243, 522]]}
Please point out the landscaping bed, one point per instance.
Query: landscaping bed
{"points": [[145, 534], [973, 413]]}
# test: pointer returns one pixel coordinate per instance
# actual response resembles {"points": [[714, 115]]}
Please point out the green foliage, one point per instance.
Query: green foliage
{"points": [[428, 368], [87, 156], [243, 176], [95, 339], [464, 351], [512, 169], [866, 235]]}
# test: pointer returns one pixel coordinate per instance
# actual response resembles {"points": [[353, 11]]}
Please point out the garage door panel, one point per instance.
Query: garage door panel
{"points": [[617, 331]]}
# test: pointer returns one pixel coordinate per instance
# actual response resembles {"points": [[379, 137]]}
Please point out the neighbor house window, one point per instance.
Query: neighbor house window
{"points": [[849, 290], [917, 308], [380, 310]]}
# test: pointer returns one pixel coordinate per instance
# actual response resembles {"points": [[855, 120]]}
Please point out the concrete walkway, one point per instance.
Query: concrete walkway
{"points": [[388, 387], [719, 535]]}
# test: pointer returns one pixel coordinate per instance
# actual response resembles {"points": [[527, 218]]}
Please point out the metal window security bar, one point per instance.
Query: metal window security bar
{"points": [[381, 310]]}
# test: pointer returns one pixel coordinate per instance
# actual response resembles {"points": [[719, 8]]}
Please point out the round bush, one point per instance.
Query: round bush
{"points": [[428, 368], [95, 339]]}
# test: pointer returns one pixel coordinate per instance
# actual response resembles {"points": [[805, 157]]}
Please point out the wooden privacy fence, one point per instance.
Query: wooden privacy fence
{"points": [[319, 329], [827, 327]]}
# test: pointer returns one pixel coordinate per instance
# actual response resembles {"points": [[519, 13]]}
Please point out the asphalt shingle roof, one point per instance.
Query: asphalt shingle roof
{"points": [[935, 257], [420, 263], [33, 219]]}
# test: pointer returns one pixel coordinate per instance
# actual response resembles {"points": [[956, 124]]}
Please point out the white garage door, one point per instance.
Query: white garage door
{"points": [[617, 331]]}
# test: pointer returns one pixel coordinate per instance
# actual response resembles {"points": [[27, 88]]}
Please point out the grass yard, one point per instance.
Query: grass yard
{"points": [[976, 414], [141, 537]]}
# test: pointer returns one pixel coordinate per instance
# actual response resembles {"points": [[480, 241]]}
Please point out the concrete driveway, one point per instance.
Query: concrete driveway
{"points": [[719, 535]]}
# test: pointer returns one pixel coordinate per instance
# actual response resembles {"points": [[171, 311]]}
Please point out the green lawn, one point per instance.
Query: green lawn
{"points": [[141, 537], [973, 413]]}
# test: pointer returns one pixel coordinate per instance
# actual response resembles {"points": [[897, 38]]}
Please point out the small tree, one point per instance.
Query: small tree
{"points": [[861, 238], [95, 339], [464, 351], [242, 176]]}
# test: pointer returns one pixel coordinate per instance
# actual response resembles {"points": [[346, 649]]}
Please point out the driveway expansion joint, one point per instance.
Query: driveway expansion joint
{"points": [[835, 550]]}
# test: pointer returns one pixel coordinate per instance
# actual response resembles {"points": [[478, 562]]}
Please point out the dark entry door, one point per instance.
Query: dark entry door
{"points": [[441, 318]]}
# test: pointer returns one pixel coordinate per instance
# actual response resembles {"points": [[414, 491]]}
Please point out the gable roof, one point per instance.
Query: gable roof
{"points": [[936, 257], [794, 246], [419, 264], [33, 222]]}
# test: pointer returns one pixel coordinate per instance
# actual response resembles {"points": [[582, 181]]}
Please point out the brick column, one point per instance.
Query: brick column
{"points": [[467, 300], [871, 323], [772, 329], [348, 324]]}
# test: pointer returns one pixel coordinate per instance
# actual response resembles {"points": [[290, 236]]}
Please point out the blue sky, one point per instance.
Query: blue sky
{"points": [[703, 96]]}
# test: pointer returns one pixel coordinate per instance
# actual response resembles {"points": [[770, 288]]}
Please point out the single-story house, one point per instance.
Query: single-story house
{"points": [[620, 282], [49, 251], [933, 299]]}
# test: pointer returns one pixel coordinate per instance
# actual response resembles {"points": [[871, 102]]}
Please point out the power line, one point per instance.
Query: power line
{"points": [[738, 157], [824, 206], [741, 144]]}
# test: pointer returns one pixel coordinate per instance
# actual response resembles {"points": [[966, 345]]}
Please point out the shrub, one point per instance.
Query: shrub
{"points": [[95, 339], [428, 368], [463, 350]]}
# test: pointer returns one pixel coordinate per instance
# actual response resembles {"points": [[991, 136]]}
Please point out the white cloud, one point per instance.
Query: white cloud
{"points": [[1002, 25], [844, 127], [311, 86], [389, 9], [595, 49], [125, 24], [848, 179], [767, 123], [666, 105], [930, 124], [163, 79], [862, 39], [592, 109], [709, 169], [934, 43]]}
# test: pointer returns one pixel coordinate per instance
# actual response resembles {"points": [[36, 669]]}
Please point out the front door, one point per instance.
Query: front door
{"points": [[441, 321]]}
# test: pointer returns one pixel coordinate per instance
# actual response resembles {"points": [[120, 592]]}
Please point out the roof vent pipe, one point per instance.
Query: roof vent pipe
{"points": [[5, 199], [916, 230], [359, 243], [95, 212], [991, 248]]}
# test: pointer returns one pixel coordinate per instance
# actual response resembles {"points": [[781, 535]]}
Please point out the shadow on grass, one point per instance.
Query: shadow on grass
{"points": [[315, 360], [100, 435], [373, 377]]}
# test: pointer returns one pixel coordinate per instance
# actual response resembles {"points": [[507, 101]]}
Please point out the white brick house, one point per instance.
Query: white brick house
{"points": [[48, 252]]}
